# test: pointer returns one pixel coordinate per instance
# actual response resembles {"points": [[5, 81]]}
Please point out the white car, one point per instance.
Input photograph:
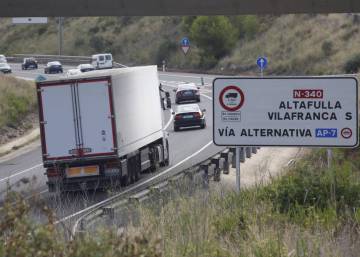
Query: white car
{"points": [[85, 67], [102, 61], [5, 68], [2, 59], [73, 72], [187, 92], [189, 115]]}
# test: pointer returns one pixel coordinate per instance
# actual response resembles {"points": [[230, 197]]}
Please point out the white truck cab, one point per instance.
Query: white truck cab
{"points": [[102, 61]]}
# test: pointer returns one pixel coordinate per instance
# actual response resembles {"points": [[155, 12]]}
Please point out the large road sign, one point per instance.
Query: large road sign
{"points": [[286, 111]]}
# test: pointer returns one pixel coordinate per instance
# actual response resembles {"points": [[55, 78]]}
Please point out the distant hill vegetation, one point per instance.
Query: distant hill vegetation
{"points": [[294, 44]]}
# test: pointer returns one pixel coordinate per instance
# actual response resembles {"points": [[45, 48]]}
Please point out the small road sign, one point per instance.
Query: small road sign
{"points": [[185, 45], [346, 133], [262, 63]]}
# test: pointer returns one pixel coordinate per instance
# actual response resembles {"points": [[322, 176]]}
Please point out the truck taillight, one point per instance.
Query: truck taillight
{"points": [[197, 115], [53, 172], [177, 117]]}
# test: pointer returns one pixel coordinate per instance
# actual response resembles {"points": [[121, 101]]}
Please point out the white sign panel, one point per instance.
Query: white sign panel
{"points": [[30, 20], [294, 111]]}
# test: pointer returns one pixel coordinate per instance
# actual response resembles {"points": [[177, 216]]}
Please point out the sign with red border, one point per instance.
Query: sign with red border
{"points": [[286, 111], [231, 98]]}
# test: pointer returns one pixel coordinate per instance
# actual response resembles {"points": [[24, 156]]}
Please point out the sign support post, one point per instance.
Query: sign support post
{"points": [[329, 157], [238, 169]]}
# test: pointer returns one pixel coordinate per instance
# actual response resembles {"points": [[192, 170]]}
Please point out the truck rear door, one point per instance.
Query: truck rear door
{"points": [[57, 121], [96, 118], [77, 119]]}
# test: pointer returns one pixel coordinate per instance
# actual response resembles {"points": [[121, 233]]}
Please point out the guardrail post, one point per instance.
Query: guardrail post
{"points": [[242, 154], [248, 152], [225, 155], [219, 165], [205, 168], [233, 159]]}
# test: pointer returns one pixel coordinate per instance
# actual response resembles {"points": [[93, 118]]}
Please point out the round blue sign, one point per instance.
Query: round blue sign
{"points": [[185, 42], [262, 62]]}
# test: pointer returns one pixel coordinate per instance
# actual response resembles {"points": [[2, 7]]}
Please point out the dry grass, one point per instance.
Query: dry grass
{"points": [[17, 99], [294, 45]]}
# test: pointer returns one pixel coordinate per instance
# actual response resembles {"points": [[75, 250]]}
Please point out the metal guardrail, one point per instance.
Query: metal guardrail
{"points": [[211, 169], [64, 59]]}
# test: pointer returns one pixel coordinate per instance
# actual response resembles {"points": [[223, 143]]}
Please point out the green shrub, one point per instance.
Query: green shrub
{"points": [[353, 64], [327, 48], [310, 186], [215, 36], [166, 48]]}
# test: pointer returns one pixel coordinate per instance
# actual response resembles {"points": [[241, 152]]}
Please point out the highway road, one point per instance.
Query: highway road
{"points": [[187, 148]]}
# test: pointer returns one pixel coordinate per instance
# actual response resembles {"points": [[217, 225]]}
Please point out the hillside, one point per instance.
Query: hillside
{"points": [[294, 44]]}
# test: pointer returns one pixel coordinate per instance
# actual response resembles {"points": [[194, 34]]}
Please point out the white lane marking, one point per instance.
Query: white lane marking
{"points": [[206, 96], [170, 120], [20, 172], [132, 188], [24, 78]]}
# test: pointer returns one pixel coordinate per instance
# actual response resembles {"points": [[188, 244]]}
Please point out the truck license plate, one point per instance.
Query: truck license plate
{"points": [[82, 171]]}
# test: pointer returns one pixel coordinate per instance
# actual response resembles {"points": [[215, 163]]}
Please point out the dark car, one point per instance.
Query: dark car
{"points": [[187, 93], [29, 63], [5, 68], [189, 115], [53, 67]]}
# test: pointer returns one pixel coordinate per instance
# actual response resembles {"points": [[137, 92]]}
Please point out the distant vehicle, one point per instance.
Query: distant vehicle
{"points": [[102, 61], [85, 67], [53, 67], [2, 58], [5, 68], [29, 63], [73, 72], [189, 115], [186, 93]]}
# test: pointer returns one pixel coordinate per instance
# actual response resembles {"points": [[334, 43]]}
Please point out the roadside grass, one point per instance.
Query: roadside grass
{"points": [[311, 211], [17, 99]]}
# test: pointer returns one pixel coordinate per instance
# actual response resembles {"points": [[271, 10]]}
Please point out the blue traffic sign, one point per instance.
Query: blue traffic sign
{"points": [[185, 42], [262, 62]]}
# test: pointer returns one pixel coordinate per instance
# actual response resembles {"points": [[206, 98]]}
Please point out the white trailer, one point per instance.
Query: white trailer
{"points": [[102, 128]]}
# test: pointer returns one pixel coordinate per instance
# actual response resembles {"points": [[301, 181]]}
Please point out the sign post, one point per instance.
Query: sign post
{"points": [[185, 45], [285, 111], [238, 169]]}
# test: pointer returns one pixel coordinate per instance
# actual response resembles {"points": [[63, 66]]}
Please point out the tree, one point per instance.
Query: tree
{"points": [[215, 36]]}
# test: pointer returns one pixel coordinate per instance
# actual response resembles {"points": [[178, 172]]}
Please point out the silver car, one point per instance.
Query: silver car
{"points": [[5, 68]]}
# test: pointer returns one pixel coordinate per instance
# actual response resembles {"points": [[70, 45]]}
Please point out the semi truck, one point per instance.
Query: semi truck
{"points": [[102, 128]]}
